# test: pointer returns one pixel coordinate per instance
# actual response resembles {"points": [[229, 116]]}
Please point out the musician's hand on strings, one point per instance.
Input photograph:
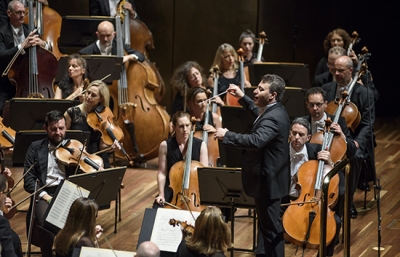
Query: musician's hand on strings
{"points": [[7, 173], [335, 128], [209, 128], [8, 203], [353, 57], [235, 91], [34, 40], [325, 156], [98, 231], [160, 200], [220, 133]]}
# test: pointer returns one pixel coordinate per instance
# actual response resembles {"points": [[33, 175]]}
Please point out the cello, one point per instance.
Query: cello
{"points": [[184, 181], [145, 124], [354, 39], [344, 106], [301, 220], [261, 41]]}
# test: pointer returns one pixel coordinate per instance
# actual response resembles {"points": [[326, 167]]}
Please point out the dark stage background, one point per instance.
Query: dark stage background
{"points": [[186, 30]]}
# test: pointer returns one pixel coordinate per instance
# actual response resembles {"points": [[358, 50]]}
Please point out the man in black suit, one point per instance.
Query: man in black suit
{"points": [[363, 134], [47, 171], [106, 45], [266, 167], [14, 35], [105, 8]]}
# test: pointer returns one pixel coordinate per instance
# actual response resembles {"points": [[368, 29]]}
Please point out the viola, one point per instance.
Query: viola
{"points": [[188, 229], [8, 213], [71, 152], [102, 119], [184, 181], [7, 135]]}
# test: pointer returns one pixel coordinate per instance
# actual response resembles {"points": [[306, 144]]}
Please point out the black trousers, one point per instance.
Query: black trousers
{"points": [[270, 224]]}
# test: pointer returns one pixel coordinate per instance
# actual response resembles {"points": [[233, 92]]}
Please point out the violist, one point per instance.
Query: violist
{"points": [[172, 151]]}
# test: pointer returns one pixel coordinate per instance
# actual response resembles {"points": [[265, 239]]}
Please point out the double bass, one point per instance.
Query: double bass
{"points": [[230, 99], [145, 124]]}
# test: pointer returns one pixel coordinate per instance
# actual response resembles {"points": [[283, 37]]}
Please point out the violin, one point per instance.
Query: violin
{"points": [[188, 229], [102, 119], [184, 181], [71, 152], [8, 213], [7, 135]]}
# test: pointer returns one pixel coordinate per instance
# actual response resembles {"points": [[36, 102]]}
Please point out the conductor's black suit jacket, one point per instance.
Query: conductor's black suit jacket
{"points": [[266, 165]]}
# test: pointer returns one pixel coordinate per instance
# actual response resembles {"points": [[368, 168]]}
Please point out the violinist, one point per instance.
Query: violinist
{"points": [[211, 236], [266, 167], [72, 84], [96, 94], [106, 45], [172, 151], [14, 35], [226, 59], [10, 244], [80, 228], [363, 135], [187, 75], [47, 171], [197, 103], [109, 8]]}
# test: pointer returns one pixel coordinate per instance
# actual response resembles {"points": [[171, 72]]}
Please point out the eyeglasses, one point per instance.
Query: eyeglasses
{"points": [[20, 13], [311, 105]]}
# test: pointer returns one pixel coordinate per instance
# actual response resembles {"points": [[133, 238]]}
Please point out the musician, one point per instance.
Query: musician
{"points": [[337, 37], [187, 75], [211, 236], [14, 35], [197, 103], [147, 249], [226, 59], [3, 9], [109, 8], [80, 228], [247, 40], [96, 94], [10, 244], [106, 45], [46, 170], [72, 84], [172, 151], [363, 135], [266, 167]]}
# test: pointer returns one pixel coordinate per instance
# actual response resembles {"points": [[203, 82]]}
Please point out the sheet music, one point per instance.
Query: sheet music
{"points": [[164, 235], [99, 252], [67, 194]]}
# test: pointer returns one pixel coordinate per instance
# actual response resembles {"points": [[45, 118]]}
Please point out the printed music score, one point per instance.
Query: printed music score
{"points": [[164, 235]]}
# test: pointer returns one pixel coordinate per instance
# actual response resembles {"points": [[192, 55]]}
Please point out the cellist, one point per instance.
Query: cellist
{"points": [[14, 36], [172, 151], [363, 135]]}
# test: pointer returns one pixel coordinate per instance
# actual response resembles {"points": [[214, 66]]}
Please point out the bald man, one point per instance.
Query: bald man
{"points": [[363, 135], [106, 45], [147, 249]]}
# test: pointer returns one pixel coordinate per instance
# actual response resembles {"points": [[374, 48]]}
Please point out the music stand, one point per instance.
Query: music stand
{"points": [[294, 74], [29, 113], [103, 185], [24, 138], [78, 32], [238, 120], [97, 67], [223, 187]]}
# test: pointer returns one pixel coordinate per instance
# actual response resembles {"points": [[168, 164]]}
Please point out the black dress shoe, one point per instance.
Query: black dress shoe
{"points": [[353, 211], [364, 186]]}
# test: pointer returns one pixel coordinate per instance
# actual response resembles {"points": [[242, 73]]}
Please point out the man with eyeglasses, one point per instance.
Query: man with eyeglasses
{"points": [[14, 36], [363, 134], [326, 77]]}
